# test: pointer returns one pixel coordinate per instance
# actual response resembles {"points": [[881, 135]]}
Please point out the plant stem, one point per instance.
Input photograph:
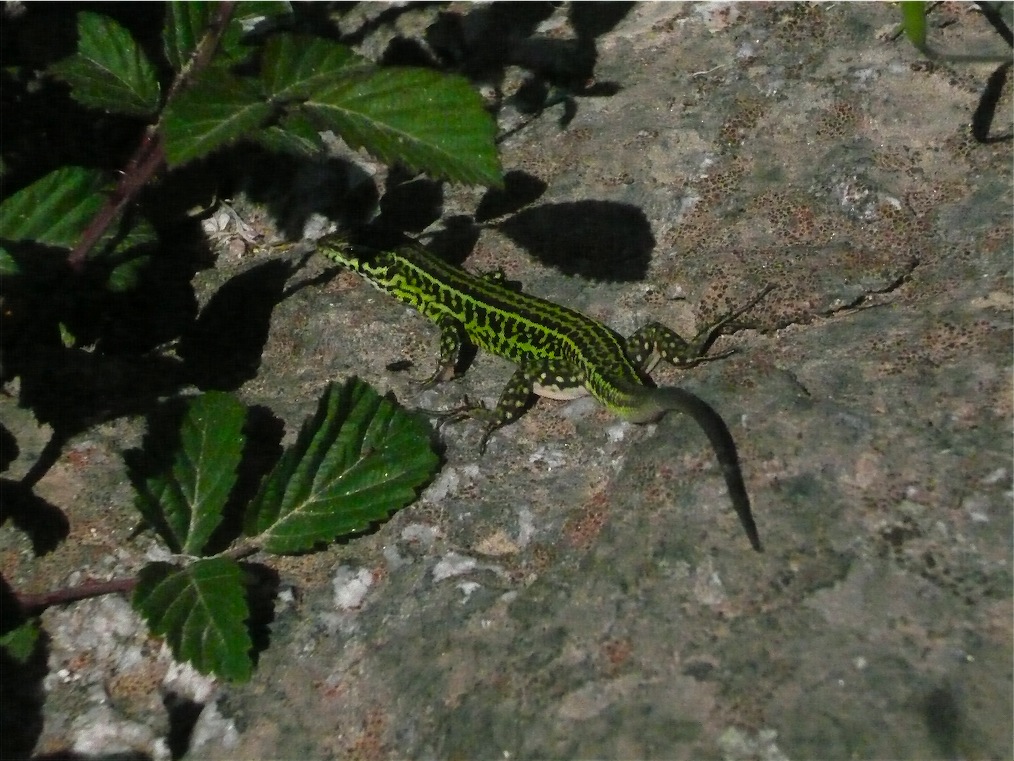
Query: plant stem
{"points": [[32, 605], [150, 154], [142, 166]]}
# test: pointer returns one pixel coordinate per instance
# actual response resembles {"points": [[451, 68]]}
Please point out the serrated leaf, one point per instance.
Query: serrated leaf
{"points": [[140, 232], [185, 504], [8, 264], [201, 610], [109, 70], [219, 109], [357, 460], [250, 19], [282, 140], [428, 121], [293, 135], [20, 642], [55, 209], [185, 23], [127, 255], [125, 276], [295, 66]]}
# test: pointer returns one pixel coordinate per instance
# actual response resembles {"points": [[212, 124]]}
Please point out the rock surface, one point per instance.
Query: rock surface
{"points": [[583, 589]]}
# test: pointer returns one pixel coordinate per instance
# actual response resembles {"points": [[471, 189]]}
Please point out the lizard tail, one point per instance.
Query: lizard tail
{"points": [[676, 399]]}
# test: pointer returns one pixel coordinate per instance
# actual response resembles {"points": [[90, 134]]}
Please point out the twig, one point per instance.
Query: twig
{"points": [[32, 605], [150, 154]]}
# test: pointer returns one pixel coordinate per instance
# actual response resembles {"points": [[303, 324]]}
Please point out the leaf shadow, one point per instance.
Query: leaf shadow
{"points": [[183, 716], [155, 456], [985, 111], [483, 42], [223, 348], [263, 431], [45, 524], [602, 240], [294, 189], [261, 583], [520, 189]]}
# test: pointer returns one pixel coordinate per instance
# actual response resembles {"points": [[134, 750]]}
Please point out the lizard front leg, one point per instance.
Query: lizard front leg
{"points": [[540, 378], [451, 342]]}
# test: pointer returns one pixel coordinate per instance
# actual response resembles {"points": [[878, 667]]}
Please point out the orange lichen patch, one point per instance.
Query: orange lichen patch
{"points": [[540, 558], [925, 198], [137, 685], [839, 120], [345, 281], [369, 743], [79, 457], [581, 530], [943, 343], [997, 238], [899, 159], [670, 24], [791, 218], [379, 573], [615, 653], [806, 23], [578, 135], [80, 662], [548, 426], [947, 342], [13, 561], [962, 145], [721, 179], [737, 127], [497, 544], [310, 570]]}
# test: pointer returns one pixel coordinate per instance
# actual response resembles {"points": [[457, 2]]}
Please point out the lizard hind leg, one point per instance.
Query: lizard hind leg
{"points": [[655, 341], [706, 335], [515, 399]]}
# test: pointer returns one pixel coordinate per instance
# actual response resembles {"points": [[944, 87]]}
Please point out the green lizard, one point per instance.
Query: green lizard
{"points": [[560, 353]]}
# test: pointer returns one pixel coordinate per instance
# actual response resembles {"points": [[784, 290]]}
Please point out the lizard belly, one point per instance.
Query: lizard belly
{"points": [[560, 394]]}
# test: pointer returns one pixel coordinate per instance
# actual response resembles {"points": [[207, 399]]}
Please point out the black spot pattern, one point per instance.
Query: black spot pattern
{"points": [[496, 317]]}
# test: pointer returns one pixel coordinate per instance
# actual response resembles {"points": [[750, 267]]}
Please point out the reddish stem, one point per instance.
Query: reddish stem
{"points": [[150, 154], [33, 605], [147, 160]]}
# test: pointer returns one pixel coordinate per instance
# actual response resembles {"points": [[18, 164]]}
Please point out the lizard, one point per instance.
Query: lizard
{"points": [[560, 353]]}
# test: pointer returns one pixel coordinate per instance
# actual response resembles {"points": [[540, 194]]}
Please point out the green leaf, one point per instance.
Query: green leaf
{"points": [[188, 22], [295, 66], [124, 256], [8, 264], [125, 253], [55, 209], [20, 642], [913, 20], [250, 19], [285, 140], [201, 611], [185, 504], [428, 121], [126, 275], [217, 110], [185, 23], [294, 135], [360, 458], [66, 336], [109, 70]]}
